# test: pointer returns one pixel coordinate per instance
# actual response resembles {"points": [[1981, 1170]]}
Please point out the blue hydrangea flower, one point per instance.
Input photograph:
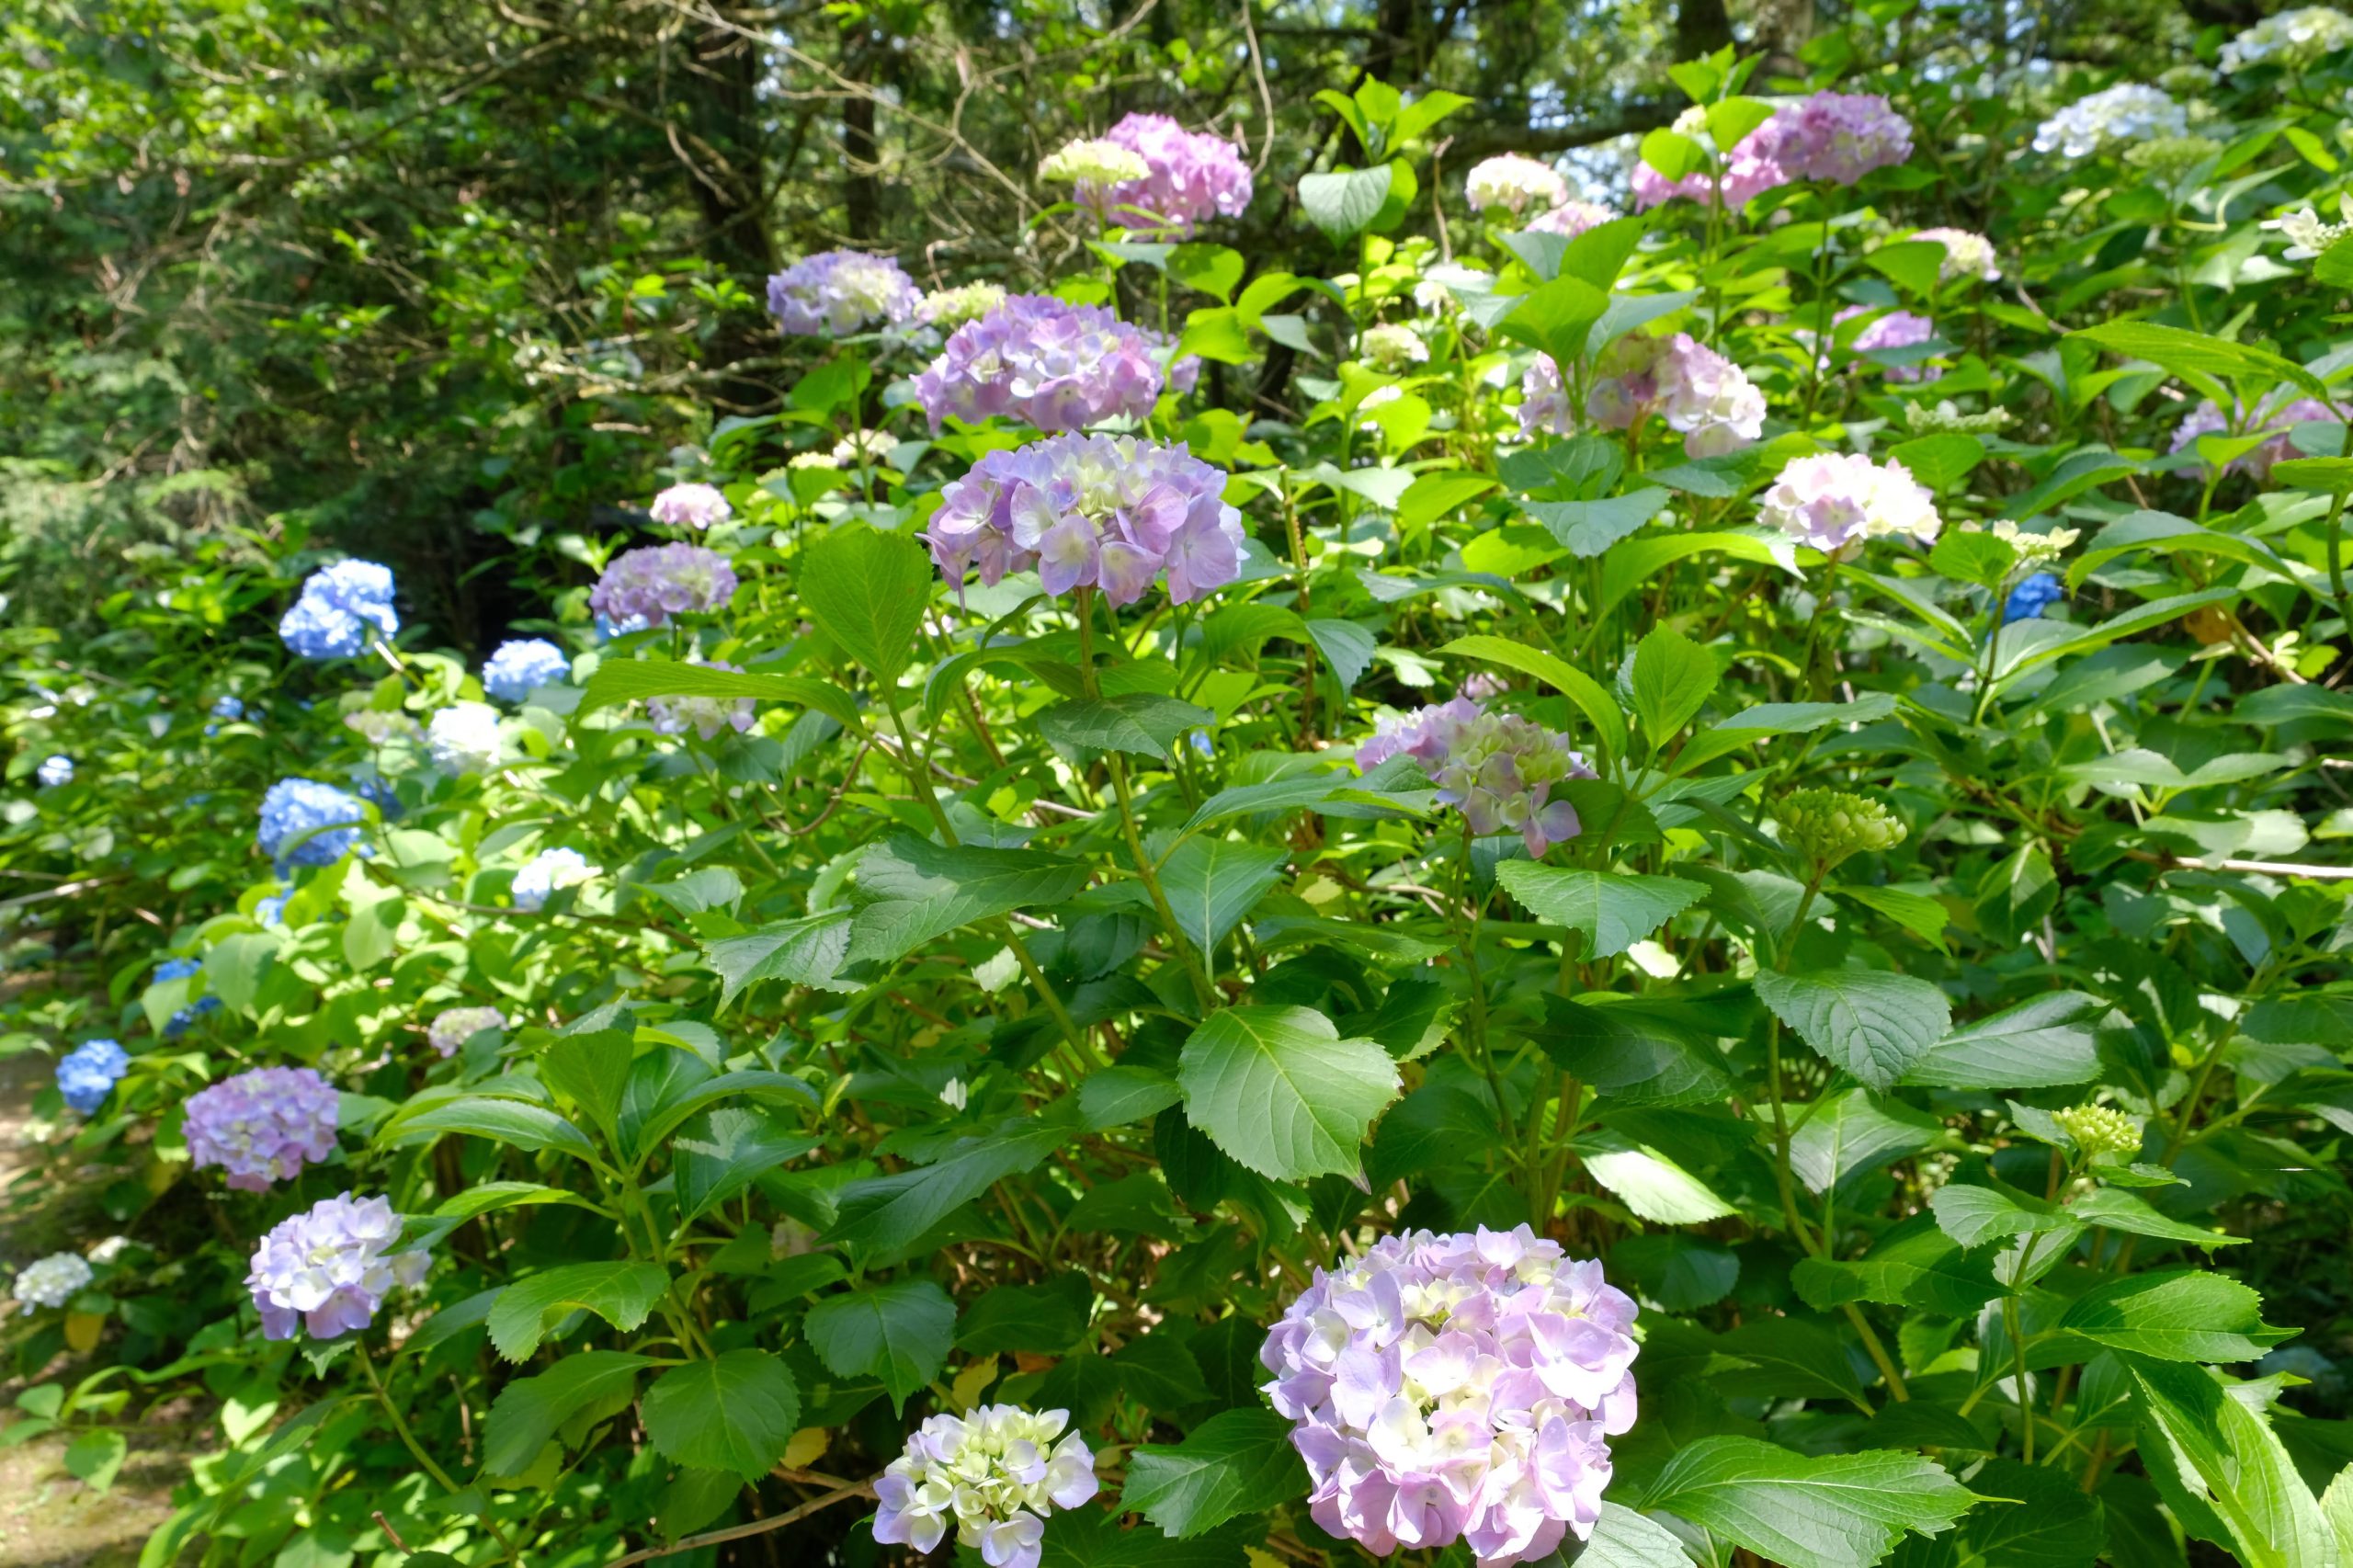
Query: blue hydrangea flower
{"points": [[54, 771], [87, 1074], [377, 791], [520, 666], [176, 968], [338, 603], [228, 708], [2031, 598], [305, 823], [180, 969]]}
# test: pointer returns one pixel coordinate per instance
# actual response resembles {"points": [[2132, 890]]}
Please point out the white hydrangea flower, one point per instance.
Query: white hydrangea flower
{"points": [[1391, 346], [2111, 117], [463, 738], [51, 1281], [1094, 159], [546, 872], [2290, 39], [1516, 184], [1967, 253], [997, 1472], [2308, 234]]}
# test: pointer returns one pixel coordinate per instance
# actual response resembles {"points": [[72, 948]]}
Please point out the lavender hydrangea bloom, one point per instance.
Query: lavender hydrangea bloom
{"points": [[452, 1026], [1841, 137], [1048, 363], [331, 617], [1497, 769], [1092, 511], [691, 506], [51, 1281], [519, 666], [546, 872], [263, 1126], [1459, 1388], [1834, 501], [1752, 168], [54, 772], [1699, 393], [88, 1073], [706, 716], [330, 1268], [1194, 176], [1570, 218], [1514, 183], [644, 588], [837, 292], [2031, 598], [997, 1472], [1895, 329], [325, 819], [2272, 419]]}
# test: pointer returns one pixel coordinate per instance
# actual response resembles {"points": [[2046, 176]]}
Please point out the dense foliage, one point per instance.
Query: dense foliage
{"points": [[1421, 859]]}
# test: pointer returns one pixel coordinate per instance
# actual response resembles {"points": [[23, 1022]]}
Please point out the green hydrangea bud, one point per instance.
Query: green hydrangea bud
{"points": [[1828, 825], [2101, 1130], [2171, 158]]}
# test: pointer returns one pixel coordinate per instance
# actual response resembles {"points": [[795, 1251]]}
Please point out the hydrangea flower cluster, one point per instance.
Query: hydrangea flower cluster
{"points": [[1967, 253], [954, 307], [2100, 1131], [331, 1268], [1841, 137], [452, 1026], [645, 586], [997, 1472], [1190, 177], [1092, 511], [2290, 39], [1571, 218], [1515, 184], [463, 738], [1895, 329], [263, 1126], [337, 605], [2112, 118], [54, 772], [2274, 421], [2033, 594], [704, 715], [1699, 393], [691, 506], [2307, 232], [228, 708], [51, 1281], [326, 820], [1457, 1388], [1829, 826], [545, 872], [182, 1020], [88, 1073], [1095, 162], [1751, 169], [837, 292], [1051, 364], [519, 666], [1497, 769], [1834, 501], [1389, 347]]}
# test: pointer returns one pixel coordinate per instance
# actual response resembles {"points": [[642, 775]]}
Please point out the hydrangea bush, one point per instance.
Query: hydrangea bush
{"points": [[1639, 889]]}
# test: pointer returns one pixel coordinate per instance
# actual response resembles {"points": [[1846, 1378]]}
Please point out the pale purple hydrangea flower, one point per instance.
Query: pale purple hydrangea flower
{"points": [[452, 1026], [1459, 1388], [1840, 137], [691, 506], [1834, 501], [1570, 218], [1543, 401], [704, 715], [1091, 511], [1194, 176], [1967, 253], [1753, 168], [1497, 769], [1895, 329], [645, 586], [1514, 183], [837, 292], [331, 1268], [1051, 364], [2273, 419], [1702, 396], [519, 666], [997, 1474], [263, 1126]]}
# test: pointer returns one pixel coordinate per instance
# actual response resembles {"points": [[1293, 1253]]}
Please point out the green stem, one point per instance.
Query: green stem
{"points": [[416, 1451]]}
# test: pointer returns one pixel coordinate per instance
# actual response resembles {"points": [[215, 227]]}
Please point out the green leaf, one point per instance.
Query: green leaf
{"points": [[886, 1214], [2187, 1315], [1346, 646], [1836, 1511], [2222, 1472], [1140, 722], [623, 1294], [1874, 1025], [1846, 1136], [1973, 1216], [1557, 317], [1672, 681], [2033, 1516], [2040, 1043], [1214, 270], [1049, 1319], [1212, 882], [1592, 700], [1652, 1185], [1914, 1264], [235, 965], [2195, 355], [1589, 527], [1624, 1053], [1917, 913], [737, 1412], [635, 680], [1435, 495], [1910, 265], [1613, 911], [1624, 1538], [1673, 154], [1344, 204], [591, 1069], [1774, 719], [1982, 559], [1238, 1462], [1279, 1090], [868, 590], [489, 1197], [1630, 564], [94, 1458], [516, 1123], [897, 1334], [809, 951], [1277, 795], [916, 891], [725, 1151], [527, 1411], [2114, 1209], [1116, 1097], [1939, 461]]}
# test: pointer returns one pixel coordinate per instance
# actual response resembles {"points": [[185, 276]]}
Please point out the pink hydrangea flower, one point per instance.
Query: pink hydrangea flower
{"points": [[1091, 511], [1895, 329], [1543, 401], [1753, 168], [263, 1126], [1194, 176], [1701, 394], [2272, 418], [1834, 501], [1048, 363], [1841, 137], [691, 506], [1497, 769], [649, 584], [1459, 1388], [837, 292], [1570, 218]]}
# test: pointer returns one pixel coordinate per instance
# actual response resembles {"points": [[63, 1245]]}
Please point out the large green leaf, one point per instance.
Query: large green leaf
{"points": [[1279, 1090], [1914, 1264], [2182, 1316], [914, 890], [1345, 203], [885, 1215], [1834, 1511], [1589, 527], [2222, 1470], [516, 1123], [2038, 1043], [1600, 710], [623, 1294], [897, 1334], [635, 680], [737, 1412], [591, 1069], [1874, 1025], [1238, 1462], [725, 1152], [1773, 720], [1613, 911], [867, 590], [1212, 882], [525, 1415], [1141, 721], [1672, 678], [807, 950]]}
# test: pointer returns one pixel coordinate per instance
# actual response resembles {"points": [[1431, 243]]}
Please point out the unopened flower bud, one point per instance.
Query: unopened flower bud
{"points": [[2099, 1131], [1828, 825]]}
